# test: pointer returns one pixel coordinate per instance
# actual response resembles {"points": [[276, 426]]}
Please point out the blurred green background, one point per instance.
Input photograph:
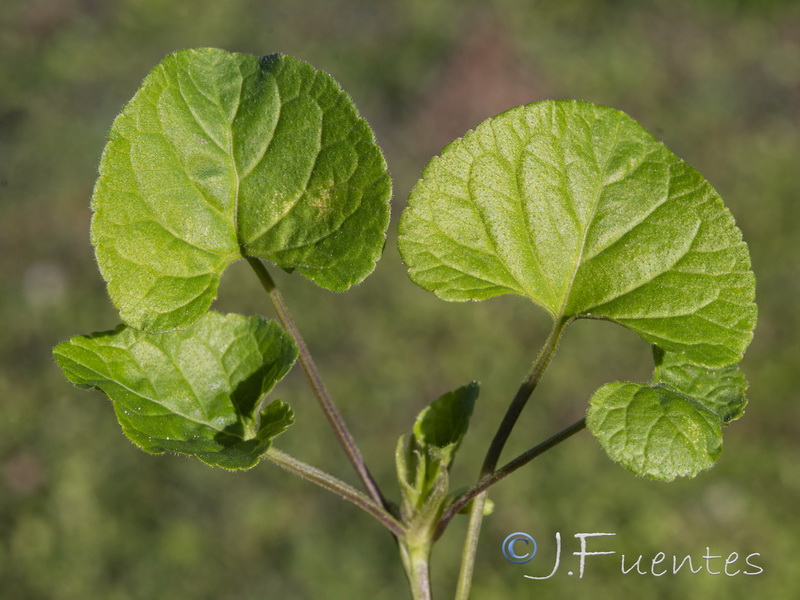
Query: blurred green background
{"points": [[84, 514]]}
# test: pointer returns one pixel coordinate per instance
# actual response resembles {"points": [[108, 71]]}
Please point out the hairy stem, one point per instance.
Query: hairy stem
{"points": [[320, 391], [521, 398], [496, 448], [337, 486], [489, 480], [470, 546], [416, 561]]}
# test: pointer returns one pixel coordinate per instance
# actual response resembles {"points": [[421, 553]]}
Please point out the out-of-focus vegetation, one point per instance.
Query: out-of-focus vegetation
{"points": [[85, 515]]}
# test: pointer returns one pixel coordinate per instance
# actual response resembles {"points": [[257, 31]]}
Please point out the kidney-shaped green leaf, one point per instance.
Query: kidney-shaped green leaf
{"points": [[197, 391], [654, 431], [578, 208], [220, 156], [671, 427]]}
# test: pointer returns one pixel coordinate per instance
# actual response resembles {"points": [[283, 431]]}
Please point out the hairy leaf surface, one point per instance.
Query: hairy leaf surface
{"points": [[220, 156], [579, 209], [719, 390], [197, 391], [671, 427]]}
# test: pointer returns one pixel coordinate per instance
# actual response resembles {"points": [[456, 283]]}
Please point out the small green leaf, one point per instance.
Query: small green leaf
{"points": [[197, 391], [654, 431], [424, 457], [671, 427], [442, 425], [579, 209], [220, 156]]}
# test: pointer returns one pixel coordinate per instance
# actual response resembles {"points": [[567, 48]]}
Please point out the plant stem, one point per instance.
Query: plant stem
{"points": [[320, 392], [416, 561], [337, 486], [489, 480], [496, 448], [470, 546], [521, 398]]}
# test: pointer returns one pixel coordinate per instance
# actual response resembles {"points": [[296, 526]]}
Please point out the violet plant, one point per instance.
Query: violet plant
{"points": [[220, 157]]}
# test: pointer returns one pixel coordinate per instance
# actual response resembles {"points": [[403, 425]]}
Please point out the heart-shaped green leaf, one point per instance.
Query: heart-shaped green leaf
{"points": [[671, 427], [578, 208], [220, 156], [197, 391]]}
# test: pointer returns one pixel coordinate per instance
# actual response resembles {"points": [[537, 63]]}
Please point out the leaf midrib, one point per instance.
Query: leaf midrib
{"points": [[582, 246], [139, 394]]}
